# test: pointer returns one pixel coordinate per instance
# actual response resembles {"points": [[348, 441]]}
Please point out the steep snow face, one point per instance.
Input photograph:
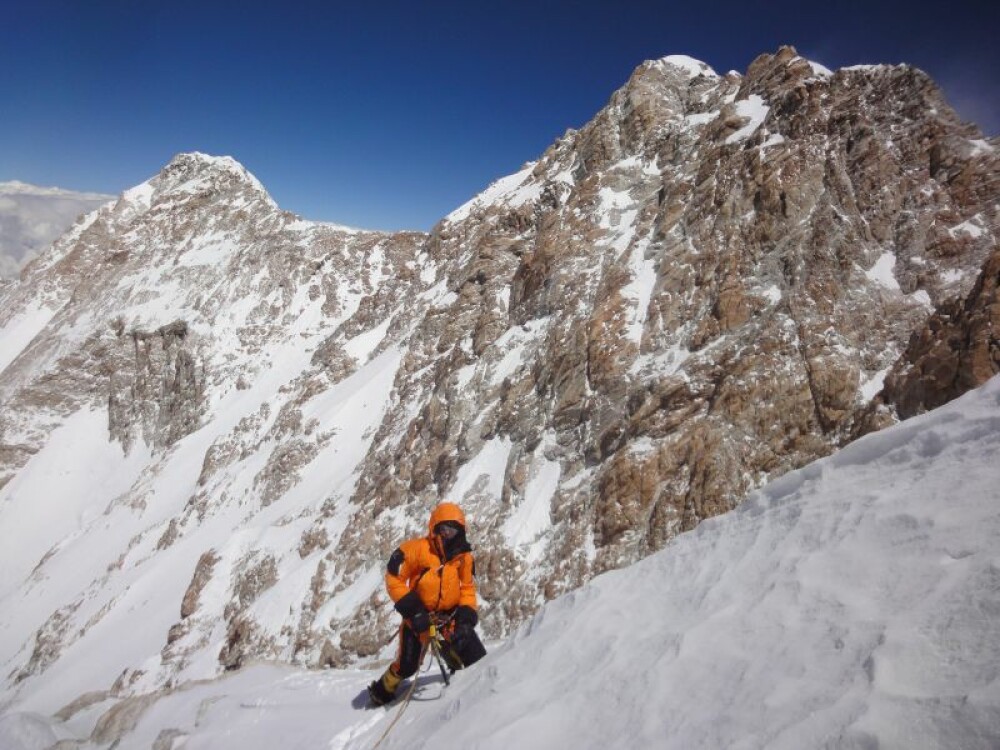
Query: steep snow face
{"points": [[851, 603], [618, 341], [32, 217]]}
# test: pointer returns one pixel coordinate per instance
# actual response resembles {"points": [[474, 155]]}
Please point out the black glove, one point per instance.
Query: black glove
{"points": [[421, 622], [412, 609], [466, 617]]}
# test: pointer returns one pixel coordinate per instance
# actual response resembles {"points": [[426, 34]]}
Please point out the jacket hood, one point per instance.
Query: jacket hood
{"points": [[445, 512]]}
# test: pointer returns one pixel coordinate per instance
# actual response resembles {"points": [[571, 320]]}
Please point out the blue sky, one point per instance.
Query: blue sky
{"points": [[389, 116]]}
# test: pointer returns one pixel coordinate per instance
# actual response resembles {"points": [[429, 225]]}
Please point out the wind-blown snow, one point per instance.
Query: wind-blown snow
{"points": [[854, 603], [981, 147]]}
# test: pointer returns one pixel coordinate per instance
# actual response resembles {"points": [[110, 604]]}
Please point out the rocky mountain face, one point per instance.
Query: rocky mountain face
{"points": [[704, 287], [957, 349]]}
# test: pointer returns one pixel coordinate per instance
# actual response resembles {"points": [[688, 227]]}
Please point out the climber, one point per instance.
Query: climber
{"points": [[430, 579]]}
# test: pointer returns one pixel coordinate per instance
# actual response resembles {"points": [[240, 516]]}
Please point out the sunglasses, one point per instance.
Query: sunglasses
{"points": [[447, 529]]}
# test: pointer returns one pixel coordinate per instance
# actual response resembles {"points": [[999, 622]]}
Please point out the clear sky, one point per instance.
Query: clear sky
{"points": [[388, 115]]}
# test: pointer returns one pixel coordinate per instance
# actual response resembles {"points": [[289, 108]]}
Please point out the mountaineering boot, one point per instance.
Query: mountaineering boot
{"points": [[383, 690]]}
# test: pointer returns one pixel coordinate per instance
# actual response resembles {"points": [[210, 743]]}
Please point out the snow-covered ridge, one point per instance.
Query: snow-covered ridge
{"points": [[689, 65], [512, 190]]}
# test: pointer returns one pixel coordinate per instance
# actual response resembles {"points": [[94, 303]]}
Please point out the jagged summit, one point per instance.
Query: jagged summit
{"points": [[185, 165], [202, 175]]}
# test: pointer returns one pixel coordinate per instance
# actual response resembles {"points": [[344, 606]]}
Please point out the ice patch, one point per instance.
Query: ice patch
{"points": [[820, 71], [882, 272], [774, 139], [701, 118], [865, 68], [511, 362], [869, 388], [772, 294], [952, 276], [923, 298], [753, 108], [639, 290], [969, 228], [141, 196], [361, 346]]}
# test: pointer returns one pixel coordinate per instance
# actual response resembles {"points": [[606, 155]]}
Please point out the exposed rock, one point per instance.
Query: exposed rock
{"points": [[165, 739], [122, 718], [202, 574], [84, 701], [957, 349]]}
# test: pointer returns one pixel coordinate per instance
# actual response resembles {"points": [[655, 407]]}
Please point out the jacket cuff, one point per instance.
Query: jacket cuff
{"points": [[410, 605]]}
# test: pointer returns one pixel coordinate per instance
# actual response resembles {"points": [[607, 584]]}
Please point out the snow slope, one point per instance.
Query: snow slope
{"points": [[854, 603]]}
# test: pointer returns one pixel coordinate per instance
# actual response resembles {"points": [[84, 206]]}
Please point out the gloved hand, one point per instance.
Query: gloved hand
{"points": [[421, 622], [466, 617], [412, 609]]}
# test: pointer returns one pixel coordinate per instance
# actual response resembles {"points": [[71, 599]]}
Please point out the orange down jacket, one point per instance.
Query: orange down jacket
{"points": [[440, 585]]}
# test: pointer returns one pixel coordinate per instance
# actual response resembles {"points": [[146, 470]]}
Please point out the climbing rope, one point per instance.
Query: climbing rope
{"points": [[433, 646], [406, 701]]}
